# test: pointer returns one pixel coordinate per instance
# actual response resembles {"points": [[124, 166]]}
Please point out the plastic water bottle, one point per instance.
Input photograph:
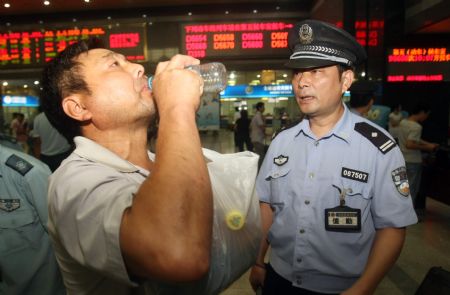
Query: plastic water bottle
{"points": [[214, 76]]}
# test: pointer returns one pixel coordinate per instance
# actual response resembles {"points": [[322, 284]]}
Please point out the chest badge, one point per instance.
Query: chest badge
{"points": [[9, 205], [400, 180], [280, 160]]}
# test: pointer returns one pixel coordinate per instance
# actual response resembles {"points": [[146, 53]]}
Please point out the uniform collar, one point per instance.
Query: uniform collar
{"points": [[92, 151], [342, 129]]}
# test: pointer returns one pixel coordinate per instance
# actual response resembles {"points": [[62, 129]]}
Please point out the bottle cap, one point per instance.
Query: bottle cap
{"points": [[235, 220]]}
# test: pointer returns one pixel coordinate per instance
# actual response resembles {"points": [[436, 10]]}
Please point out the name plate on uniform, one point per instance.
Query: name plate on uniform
{"points": [[343, 219]]}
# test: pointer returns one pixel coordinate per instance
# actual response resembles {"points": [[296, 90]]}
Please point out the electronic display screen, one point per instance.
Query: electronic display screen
{"points": [[236, 39], [418, 64], [33, 48]]}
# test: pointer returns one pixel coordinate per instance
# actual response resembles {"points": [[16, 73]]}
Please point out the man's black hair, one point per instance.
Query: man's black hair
{"points": [[61, 77], [259, 106]]}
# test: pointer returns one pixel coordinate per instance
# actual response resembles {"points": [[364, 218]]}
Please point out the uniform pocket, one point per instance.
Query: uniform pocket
{"points": [[357, 194], [19, 229]]}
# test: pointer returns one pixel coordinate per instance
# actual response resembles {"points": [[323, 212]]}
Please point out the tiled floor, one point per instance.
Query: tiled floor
{"points": [[427, 243]]}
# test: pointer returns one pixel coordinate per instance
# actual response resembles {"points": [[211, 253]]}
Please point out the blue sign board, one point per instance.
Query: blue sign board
{"points": [[20, 101], [257, 91]]}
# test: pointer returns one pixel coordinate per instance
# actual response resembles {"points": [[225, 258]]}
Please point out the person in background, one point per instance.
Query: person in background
{"points": [[333, 189], [236, 116], [412, 145], [27, 260], [19, 130], [119, 215], [394, 121], [242, 129], [258, 132], [360, 103], [48, 144]]}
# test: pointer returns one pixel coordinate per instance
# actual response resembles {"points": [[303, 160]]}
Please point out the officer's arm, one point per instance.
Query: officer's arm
{"points": [[258, 272], [385, 251]]}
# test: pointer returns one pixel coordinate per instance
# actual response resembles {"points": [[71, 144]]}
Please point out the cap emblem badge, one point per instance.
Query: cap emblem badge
{"points": [[306, 34]]}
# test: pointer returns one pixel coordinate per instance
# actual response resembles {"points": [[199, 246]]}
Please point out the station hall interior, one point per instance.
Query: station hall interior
{"points": [[408, 48]]}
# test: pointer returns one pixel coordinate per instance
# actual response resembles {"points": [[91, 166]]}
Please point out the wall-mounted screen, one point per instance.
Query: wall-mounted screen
{"points": [[236, 39]]}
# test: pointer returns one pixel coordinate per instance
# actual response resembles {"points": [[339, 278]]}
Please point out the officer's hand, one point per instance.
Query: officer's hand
{"points": [[257, 276], [173, 86]]}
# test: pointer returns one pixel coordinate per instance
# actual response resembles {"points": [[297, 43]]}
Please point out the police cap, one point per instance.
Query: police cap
{"points": [[318, 44]]}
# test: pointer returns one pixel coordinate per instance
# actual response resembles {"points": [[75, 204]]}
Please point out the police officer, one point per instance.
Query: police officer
{"points": [[27, 260], [333, 188]]}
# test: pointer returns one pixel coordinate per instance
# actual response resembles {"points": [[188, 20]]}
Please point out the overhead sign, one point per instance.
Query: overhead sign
{"points": [[257, 91], [20, 101]]}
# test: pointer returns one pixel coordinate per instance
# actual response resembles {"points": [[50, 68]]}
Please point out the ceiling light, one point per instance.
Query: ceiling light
{"points": [[25, 86], [36, 82], [74, 20], [5, 83], [47, 3], [255, 11], [8, 24], [7, 5], [284, 75], [144, 15], [87, 1], [227, 12], [277, 8], [258, 76], [189, 13]]}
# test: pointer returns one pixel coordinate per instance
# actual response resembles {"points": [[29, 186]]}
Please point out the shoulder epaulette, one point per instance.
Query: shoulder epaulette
{"points": [[18, 164], [375, 136], [290, 125]]}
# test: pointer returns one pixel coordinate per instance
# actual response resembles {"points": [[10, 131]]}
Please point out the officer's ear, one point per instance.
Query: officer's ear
{"points": [[74, 107], [347, 79]]}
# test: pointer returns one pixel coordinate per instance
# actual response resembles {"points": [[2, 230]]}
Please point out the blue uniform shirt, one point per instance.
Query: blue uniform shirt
{"points": [[27, 260], [301, 177]]}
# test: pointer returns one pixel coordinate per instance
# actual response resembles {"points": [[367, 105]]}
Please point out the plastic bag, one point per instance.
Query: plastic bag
{"points": [[236, 228]]}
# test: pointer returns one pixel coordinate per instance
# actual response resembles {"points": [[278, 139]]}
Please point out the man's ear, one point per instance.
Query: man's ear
{"points": [[74, 107], [347, 79]]}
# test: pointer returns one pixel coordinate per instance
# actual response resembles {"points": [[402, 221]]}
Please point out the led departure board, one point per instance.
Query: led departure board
{"points": [[419, 64], [244, 40], [367, 33], [35, 47]]}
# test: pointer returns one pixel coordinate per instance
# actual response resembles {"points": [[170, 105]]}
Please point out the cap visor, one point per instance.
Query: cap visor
{"points": [[306, 63]]}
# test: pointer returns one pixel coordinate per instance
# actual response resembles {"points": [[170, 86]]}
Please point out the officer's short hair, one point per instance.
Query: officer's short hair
{"points": [[62, 77], [317, 44]]}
